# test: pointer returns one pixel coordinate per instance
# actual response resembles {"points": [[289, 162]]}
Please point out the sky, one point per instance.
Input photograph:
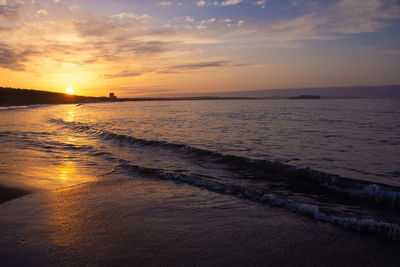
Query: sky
{"points": [[157, 48]]}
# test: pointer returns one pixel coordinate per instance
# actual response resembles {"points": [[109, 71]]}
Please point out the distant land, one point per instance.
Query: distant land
{"points": [[306, 97], [380, 91], [16, 97], [21, 97]]}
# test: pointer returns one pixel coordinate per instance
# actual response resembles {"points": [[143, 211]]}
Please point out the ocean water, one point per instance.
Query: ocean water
{"points": [[332, 160]]}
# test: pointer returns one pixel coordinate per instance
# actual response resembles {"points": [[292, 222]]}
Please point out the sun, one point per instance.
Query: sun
{"points": [[70, 91]]}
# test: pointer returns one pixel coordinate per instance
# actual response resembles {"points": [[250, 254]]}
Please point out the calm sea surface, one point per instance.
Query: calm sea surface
{"points": [[223, 146]]}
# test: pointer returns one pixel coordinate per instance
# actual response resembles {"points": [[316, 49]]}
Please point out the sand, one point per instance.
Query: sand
{"points": [[144, 222], [8, 193]]}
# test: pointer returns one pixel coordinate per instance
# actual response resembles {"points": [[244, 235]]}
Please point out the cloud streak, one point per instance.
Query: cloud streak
{"points": [[165, 3], [202, 3], [123, 74], [200, 65]]}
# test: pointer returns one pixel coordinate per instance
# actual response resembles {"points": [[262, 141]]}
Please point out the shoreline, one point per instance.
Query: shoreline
{"points": [[152, 223]]}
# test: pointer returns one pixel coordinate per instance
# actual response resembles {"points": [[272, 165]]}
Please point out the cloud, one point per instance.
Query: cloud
{"points": [[74, 8], [189, 19], [200, 65], [74, 39], [13, 58], [140, 47], [207, 21], [202, 3], [41, 13], [172, 69], [261, 3], [131, 16], [333, 21], [9, 12], [77, 38], [356, 16], [230, 2], [94, 26], [165, 3], [123, 74], [7, 29]]}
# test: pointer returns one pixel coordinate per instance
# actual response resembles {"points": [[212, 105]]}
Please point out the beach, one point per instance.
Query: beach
{"points": [[153, 223]]}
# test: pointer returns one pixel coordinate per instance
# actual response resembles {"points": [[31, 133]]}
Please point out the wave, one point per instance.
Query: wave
{"points": [[296, 179], [375, 191], [21, 107], [34, 138], [390, 230]]}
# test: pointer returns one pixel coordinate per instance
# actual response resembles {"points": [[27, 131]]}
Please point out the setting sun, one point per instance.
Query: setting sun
{"points": [[70, 91]]}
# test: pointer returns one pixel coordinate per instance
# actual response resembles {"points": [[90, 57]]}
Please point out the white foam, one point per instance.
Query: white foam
{"points": [[365, 224], [373, 191], [389, 229], [21, 107]]}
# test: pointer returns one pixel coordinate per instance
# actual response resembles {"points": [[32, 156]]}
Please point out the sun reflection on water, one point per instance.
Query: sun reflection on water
{"points": [[66, 170], [70, 115]]}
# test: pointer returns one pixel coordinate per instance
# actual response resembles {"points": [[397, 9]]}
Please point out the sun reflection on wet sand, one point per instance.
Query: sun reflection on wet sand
{"points": [[64, 220]]}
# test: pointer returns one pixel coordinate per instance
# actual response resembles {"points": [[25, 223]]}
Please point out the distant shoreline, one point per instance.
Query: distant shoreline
{"points": [[25, 97], [22, 101]]}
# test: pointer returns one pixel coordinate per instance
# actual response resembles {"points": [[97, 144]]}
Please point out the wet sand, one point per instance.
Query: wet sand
{"points": [[144, 222], [8, 193]]}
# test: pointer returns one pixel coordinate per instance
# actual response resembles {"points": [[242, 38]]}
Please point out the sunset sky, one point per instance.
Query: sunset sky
{"points": [[151, 48]]}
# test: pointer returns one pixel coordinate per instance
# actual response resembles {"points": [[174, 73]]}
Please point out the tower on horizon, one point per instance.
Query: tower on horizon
{"points": [[112, 96]]}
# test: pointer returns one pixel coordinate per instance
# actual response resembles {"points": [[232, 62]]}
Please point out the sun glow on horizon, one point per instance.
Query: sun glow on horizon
{"points": [[70, 91]]}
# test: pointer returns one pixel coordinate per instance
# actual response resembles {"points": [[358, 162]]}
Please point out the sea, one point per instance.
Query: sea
{"points": [[333, 160]]}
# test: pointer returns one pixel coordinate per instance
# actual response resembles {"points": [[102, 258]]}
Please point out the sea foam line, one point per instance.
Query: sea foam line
{"points": [[390, 230], [372, 191]]}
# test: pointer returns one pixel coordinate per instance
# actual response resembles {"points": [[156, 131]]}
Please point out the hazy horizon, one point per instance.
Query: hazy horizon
{"points": [[156, 48], [385, 91]]}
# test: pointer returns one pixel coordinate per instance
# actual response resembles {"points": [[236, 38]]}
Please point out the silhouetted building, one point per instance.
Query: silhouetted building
{"points": [[112, 96]]}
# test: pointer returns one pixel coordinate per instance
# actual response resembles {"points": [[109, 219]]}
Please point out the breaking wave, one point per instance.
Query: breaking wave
{"points": [[323, 196], [390, 230]]}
